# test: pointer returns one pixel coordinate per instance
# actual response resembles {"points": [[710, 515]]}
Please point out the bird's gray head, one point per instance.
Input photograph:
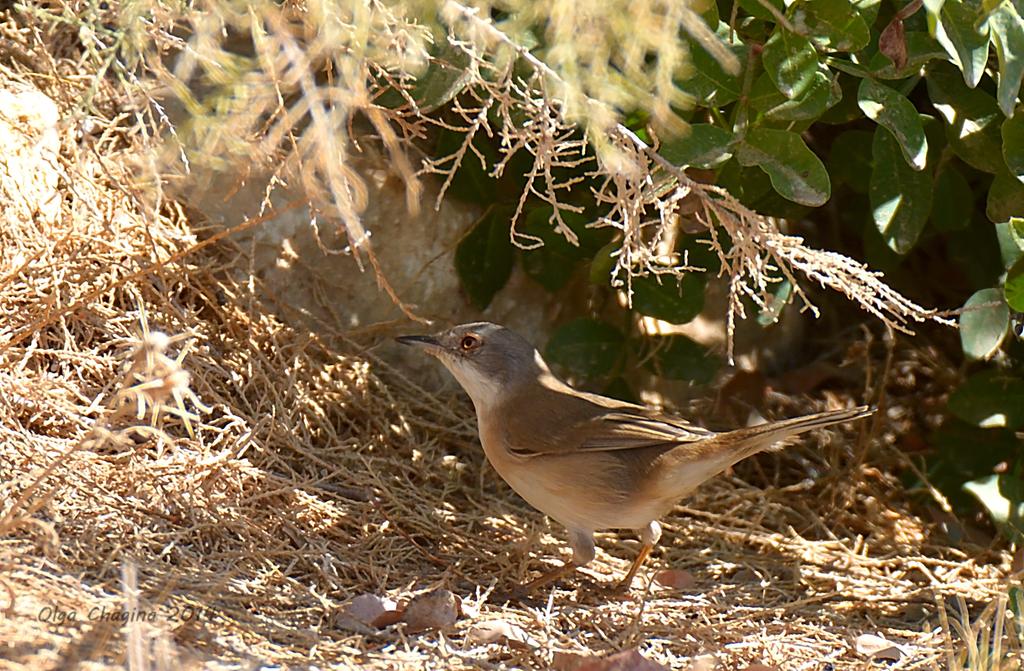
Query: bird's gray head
{"points": [[487, 359]]}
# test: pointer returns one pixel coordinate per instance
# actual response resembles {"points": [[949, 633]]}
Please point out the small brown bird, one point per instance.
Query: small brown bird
{"points": [[587, 461]]}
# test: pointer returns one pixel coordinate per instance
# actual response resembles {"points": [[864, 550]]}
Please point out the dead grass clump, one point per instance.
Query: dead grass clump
{"points": [[186, 481]]}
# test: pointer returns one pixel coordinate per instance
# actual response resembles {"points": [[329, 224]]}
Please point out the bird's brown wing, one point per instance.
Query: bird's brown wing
{"points": [[565, 421]]}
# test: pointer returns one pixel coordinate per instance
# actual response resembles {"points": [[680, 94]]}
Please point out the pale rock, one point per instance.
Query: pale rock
{"points": [[29, 152]]}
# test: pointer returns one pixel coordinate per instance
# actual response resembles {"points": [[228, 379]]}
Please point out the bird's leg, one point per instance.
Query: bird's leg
{"points": [[582, 543], [649, 537]]}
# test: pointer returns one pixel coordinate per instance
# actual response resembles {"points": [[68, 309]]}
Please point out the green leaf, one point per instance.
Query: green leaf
{"points": [[446, 77], [901, 198], [953, 464], [893, 111], [772, 204], [1013, 145], [877, 252], [964, 36], [1008, 249], [601, 266], [821, 95], [746, 184], [698, 252], [705, 146], [553, 263], [990, 399], [791, 61], [1013, 290], [756, 9], [867, 8], [849, 159], [708, 10], [753, 187], [953, 201], [777, 300], [846, 110], [1017, 231], [1007, 29], [1005, 510], [1016, 604], [1005, 197], [832, 24], [975, 252], [586, 347], [673, 300], [484, 258], [972, 117], [473, 181], [984, 322], [710, 85], [934, 132], [679, 358], [797, 174]]}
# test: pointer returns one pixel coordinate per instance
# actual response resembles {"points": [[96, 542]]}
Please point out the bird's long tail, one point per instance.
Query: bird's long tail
{"points": [[754, 439], [691, 464]]}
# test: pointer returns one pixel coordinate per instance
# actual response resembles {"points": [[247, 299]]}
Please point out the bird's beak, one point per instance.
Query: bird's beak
{"points": [[428, 343]]}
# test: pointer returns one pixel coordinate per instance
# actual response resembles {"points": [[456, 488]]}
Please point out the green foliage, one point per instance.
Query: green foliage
{"points": [[1005, 197], [850, 159], [972, 118], [952, 202], [586, 348], [901, 197], [485, 257], [1014, 289], [705, 146], [958, 32], [790, 61], [796, 173], [965, 453], [832, 25], [984, 323], [1013, 145], [710, 83], [679, 358], [1007, 30], [668, 298], [988, 399], [1002, 495], [553, 264], [888, 108]]}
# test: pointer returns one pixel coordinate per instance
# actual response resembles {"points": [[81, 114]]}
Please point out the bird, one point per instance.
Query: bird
{"points": [[590, 462]]}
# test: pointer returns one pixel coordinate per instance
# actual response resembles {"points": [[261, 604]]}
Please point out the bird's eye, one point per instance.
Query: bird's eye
{"points": [[469, 342]]}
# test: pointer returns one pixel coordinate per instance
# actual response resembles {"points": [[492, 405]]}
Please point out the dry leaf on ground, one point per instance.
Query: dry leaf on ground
{"points": [[627, 660], [877, 647], [703, 663], [436, 609], [374, 610], [501, 631], [675, 579]]}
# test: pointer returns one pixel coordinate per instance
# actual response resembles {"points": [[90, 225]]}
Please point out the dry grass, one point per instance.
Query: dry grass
{"points": [[239, 482]]}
